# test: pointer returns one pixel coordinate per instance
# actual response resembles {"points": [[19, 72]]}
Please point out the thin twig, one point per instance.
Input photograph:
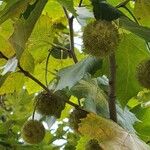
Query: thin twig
{"points": [[70, 21], [112, 88], [122, 4], [71, 31], [80, 3], [46, 70], [127, 9], [66, 13]]}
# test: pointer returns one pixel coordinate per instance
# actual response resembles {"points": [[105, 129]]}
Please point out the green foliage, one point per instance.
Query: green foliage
{"points": [[36, 52], [142, 15], [131, 48], [66, 75]]}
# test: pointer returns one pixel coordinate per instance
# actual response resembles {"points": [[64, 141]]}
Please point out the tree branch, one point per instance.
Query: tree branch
{"points": [[70, 21], [112, 88], [80, 3], [71, 31], [27, 74]]}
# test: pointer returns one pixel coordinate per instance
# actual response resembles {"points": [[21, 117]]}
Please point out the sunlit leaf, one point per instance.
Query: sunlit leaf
{"points": [[110, 135], [23, 28], [14, 82], [142, 11], [27, 61]]}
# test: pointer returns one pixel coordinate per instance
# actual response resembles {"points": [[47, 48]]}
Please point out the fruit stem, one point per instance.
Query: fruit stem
{"points": [[46, 70], [112, 88]]}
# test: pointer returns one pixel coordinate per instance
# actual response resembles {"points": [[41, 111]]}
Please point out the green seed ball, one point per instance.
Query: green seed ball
{"points": [[143, 73], [100, 38], [92, 145], [33, 132], [75, 117], [50, 104]]}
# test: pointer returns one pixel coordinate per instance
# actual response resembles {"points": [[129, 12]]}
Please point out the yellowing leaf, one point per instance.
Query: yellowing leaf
{"points": [[14, 82], [13, 8], [109, 134], [27, 61], [5, 47], [142, 11], [23, 28]]}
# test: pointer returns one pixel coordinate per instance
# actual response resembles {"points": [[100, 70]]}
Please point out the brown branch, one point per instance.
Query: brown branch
{"points": [[70, 21], [66, 13], [27, 74], [80, 3], [112, 88], [71, 31]]}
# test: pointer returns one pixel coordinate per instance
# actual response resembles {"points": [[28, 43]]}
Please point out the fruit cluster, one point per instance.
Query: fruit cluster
{"points": [[100, 38]]}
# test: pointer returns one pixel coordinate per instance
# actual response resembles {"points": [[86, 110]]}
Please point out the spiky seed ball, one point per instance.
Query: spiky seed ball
{"points": [[75, 117], [100, 38], [143, 73], [33, 132], [50, 104], [92, 145]]}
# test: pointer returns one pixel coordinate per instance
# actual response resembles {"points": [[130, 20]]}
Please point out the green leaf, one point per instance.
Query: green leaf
{"points": [[5, 47], [93, 94], [3, 78], [130, 52], [68, 4], [23, 28], [142, 11], [82, 142], [58, 53], [14, 82], [41, 38], [27, 61], [69, 76], [133, 27], [12, 9], [143, 114]]}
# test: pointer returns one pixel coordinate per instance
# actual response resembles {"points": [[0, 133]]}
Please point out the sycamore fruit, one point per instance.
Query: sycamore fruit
{"points": [[33, 132], [143, 73], [100, 38], [92, 145], [75, 117], [50, 104]]}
